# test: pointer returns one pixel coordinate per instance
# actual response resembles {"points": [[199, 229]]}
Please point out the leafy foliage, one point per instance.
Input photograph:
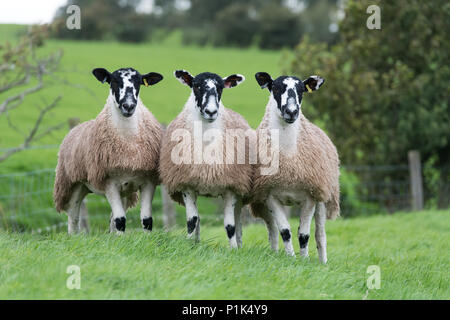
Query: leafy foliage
{"points": [[270, 24], [386, 91], [278, 27], [103, 19]]}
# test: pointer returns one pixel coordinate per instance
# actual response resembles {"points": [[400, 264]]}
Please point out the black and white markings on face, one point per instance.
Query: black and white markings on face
{"points": [[125, 85], [207, 88], [287, 92]]}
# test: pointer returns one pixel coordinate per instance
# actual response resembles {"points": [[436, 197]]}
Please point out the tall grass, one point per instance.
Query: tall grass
{"points": [[411, 250]]}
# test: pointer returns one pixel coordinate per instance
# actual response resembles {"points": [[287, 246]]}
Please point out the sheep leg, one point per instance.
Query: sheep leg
{"points": [[237, 220], [118, 221], [147, 192], [277, 212], [112, 223], [306, 214], [271, 226], [230, 201], [73, 211], [83, 224], [273, 234], [193, 219], [320, 234]]}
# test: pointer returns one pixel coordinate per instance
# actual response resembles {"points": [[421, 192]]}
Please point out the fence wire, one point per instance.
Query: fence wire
{"points": [[26, 203]]}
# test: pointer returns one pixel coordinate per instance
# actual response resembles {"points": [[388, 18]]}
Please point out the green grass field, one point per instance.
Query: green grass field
{"points": [[411, 249]]}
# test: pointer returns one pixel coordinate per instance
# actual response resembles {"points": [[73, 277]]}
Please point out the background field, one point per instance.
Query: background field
{"points": [[410, 248]]}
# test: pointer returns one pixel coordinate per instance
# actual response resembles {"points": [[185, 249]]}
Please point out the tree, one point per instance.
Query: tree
{"points": [[22, 74], [386, 91], [279, 27], [236, 26], [104, 19]]}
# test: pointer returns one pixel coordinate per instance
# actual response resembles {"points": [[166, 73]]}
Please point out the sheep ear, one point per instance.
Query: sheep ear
{"points": [[264, 80], [184, 77], [102, 75], [233, 80], [313, 83], [151, 78]]}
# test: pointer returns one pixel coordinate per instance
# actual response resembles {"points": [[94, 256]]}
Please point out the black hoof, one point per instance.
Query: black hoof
{"points": [[230, 230], [120, 223], [147, 223], [303, 238], [285, 235], [191, 224]]}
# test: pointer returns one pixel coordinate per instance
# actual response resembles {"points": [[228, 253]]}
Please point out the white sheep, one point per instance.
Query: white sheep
{"points": [[308, 172], [114, 155], [187, 168]]}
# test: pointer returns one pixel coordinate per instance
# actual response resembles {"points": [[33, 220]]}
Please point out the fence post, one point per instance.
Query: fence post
{"points": [[415, 173]]}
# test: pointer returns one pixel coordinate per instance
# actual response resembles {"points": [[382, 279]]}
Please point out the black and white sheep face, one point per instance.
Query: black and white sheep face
{"points": [[288, 91], [207, 89], [125, 84]]}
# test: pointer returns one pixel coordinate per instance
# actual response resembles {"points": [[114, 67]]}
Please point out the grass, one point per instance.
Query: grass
{"points": [[411, 250]]}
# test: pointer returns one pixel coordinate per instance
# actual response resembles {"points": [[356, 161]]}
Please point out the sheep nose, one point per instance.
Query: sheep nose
{"points": [[128, 106], [291, 115], [211, 113]]}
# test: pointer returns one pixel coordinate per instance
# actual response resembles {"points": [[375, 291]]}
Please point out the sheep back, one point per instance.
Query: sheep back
{"points": [[213, 177]]}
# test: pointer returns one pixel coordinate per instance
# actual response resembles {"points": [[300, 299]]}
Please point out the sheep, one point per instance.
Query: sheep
{"points": [[194, 173], [308, 172], [115, 155]]}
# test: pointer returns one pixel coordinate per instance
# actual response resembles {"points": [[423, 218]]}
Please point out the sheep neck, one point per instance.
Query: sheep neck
{"points": [[288, 133], [125, 127]]}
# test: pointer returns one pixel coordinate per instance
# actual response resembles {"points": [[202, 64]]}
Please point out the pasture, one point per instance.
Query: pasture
{"points": [[411, 249]]}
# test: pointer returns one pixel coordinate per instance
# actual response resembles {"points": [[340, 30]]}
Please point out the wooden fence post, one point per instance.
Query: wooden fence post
{"points": [[415, 173]]}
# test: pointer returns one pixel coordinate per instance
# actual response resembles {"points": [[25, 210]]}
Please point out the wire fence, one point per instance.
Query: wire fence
{"points": [[26, 203], [371, 189]]}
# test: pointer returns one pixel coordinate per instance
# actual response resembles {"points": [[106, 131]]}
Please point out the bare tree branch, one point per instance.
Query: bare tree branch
{"points": [[24, 80], [20, 66], [20, 96], [32, 137]]}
